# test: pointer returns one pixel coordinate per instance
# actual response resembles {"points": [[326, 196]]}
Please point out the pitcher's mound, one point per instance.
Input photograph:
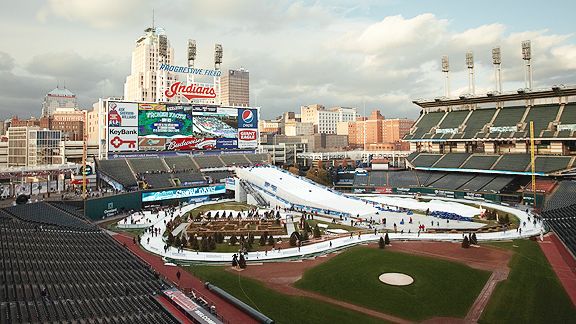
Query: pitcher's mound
{"points": [[396, 279]]}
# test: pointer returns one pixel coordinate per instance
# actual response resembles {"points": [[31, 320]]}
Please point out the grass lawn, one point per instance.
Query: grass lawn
{"points": [[532, 293], [440, 288], [131, 232], [313, 222], [282, 308], [221, 206]]}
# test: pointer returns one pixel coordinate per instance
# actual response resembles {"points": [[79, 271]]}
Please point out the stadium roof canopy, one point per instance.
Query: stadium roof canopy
{"points": [[520, 94]]}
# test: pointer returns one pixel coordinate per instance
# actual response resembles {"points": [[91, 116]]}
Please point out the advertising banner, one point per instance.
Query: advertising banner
{"points": [[122, 114], [383, 190], [227, 143], [151, 144], [210, 109], [171, 121], [247, 118], [162, 127], [247, 138], [123, 139], [190, 143], [183, 193]]}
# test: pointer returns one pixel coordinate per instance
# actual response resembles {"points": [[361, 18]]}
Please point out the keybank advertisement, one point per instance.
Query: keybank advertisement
{"points": [[183, 193]]}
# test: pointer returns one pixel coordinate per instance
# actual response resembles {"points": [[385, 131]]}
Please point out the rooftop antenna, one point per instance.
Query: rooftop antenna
{"points": [[152, 18]]}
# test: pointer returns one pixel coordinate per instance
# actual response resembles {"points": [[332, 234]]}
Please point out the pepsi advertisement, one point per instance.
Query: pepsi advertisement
{"points": [[247, 118]]}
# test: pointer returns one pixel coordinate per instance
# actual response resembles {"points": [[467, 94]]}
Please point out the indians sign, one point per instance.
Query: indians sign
{"points": [[192, 91]]}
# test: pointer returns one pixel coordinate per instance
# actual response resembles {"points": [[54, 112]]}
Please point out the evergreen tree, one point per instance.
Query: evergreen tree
{"points": [[381, 243], [194, 243], [465, 242], [473, 239], [386, 239], [250, 239], [204, 244], [242, 239], [316, 231], [263, 239], [177, 241], [170, 239], [294, 237], [242, 262], [271, 240], [211, 243], [233, 240], [305, 236]]}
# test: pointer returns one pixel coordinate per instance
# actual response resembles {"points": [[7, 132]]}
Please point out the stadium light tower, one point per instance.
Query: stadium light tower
{"points": [[446, 71], [217, 56], [470, 66], [191, 52], [527, 57], [217, 61], [497, 61], [191, 59]]}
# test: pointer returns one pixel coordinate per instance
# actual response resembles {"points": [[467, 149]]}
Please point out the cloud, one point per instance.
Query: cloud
{"points": [[303, 52], [89, 78], [104, 14], [6, 62]]}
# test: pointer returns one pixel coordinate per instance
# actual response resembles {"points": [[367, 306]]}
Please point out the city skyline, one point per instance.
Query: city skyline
{"points": [[333, 53]]}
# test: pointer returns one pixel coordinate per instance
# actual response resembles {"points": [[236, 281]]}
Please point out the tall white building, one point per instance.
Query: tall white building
{"points": [[146, 82], [325, 121], [58, 98]]}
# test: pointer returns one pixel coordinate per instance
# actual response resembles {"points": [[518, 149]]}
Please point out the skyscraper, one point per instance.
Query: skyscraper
{"points": [[146, 82], [58, 98], [235, 88]]}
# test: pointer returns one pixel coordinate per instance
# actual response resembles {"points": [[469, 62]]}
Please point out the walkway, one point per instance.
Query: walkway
{"points": [[156, 244], [562, 262], [187, 281]]}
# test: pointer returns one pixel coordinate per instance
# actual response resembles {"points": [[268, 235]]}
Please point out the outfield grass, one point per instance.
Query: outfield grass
{"points": [[532, 293], [440, 288], [282, 308]]}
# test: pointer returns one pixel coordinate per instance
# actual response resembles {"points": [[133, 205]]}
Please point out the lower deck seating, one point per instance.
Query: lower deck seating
{"points": [[55, 275]]}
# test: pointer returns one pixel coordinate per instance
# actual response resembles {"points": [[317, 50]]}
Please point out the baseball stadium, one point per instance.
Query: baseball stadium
{"points": [[191, 223]]}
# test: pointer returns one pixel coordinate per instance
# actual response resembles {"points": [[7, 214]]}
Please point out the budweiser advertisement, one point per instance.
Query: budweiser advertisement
{"points": [[167, 126], [190, 143]]}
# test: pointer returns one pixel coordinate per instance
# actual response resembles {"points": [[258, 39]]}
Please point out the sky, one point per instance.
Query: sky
{"points": [[377, 54]]}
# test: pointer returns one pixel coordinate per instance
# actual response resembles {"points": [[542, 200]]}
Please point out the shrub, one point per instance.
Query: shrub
{"points": [[386, 239], [233, 240], [381, 243]]}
